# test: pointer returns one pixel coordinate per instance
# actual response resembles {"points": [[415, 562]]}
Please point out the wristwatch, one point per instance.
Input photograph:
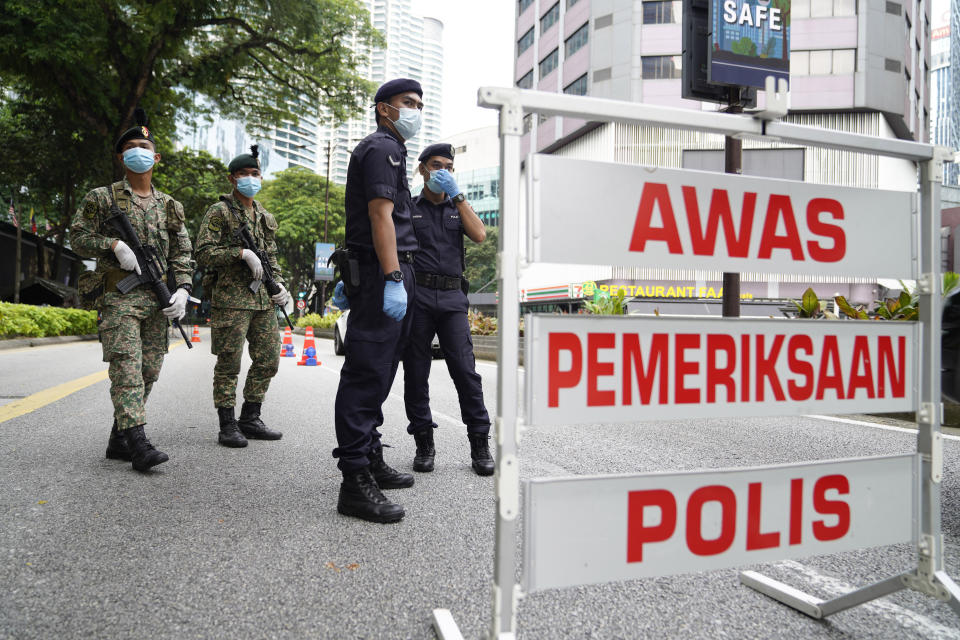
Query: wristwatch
{"points": [[457, 199], [396, 276]]}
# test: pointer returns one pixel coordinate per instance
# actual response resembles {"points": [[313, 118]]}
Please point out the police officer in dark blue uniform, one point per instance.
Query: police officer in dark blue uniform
{"points": [[441, 217], [381, 242]]}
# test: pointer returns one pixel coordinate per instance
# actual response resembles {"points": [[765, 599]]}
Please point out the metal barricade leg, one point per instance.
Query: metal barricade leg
{"points": [[815, 607]]}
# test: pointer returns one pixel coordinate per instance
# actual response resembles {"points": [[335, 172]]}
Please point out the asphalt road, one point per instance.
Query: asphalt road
{"points": [[246, 543]]}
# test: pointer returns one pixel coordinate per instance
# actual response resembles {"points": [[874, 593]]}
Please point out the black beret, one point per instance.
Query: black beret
{"points": [[444, 149], [137, 132], [246, 160], [401, 85]]}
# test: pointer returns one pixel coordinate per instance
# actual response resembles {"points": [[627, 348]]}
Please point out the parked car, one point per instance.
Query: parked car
{"points": [[340, 338]]}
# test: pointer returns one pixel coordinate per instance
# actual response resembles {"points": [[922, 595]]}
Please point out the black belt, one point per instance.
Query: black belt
{"points": [[368, 257], [437, 281]]}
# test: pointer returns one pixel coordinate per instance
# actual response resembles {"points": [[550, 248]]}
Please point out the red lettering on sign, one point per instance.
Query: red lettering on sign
{"points": [[796, 510], [766, 368], [728, 520], [638, 534], [655, 193], [860, 360], [780, 207], [821, 505], [557, 379], [682, 394], [595, 369], [745, 369], [721, 376], [818, 227], [830, 359], [633, 362], [803, 368], [705, 243], [755, 539], [897, 370]]}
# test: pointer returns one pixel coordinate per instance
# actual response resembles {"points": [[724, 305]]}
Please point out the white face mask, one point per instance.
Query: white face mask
{"points": [[408, 123]]}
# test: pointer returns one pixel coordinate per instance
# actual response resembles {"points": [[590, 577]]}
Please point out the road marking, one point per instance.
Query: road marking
{"points": [[875, 425], [40, 399], [35, 348], [905, 617], [45, 397]]}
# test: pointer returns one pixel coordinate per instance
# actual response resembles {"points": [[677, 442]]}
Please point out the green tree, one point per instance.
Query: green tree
{"points": [[482, 261], [196, 179], [296, 198]]}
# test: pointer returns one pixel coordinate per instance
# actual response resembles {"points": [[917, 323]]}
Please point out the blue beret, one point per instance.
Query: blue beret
{"points": [[401, 85], [444, 149]]}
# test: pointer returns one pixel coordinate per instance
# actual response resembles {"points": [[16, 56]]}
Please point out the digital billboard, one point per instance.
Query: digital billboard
{"points": [[320, 269], [750, 40]]}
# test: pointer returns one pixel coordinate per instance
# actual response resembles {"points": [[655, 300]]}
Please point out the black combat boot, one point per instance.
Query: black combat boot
{"points": [[386, 476], [230, 435], [423, 460], [480, 453], [360, 497], [116, 446], [143, 455], [252, 426]]}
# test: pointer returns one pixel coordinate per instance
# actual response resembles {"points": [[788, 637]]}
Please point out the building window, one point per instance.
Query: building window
{"points": [[525, 42], [826, 8], [578, 87], [661, 12], [660, 67], [823, 63], [549, 63], [550, 18], [570, 3], [526, 82], [576, 41], [524, 5]]}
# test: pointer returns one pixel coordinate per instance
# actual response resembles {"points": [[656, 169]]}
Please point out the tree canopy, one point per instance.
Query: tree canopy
{"points": [[481, 261]]}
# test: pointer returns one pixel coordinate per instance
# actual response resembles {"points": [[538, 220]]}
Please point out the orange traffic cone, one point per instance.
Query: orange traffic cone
{"points": [[196, 334], [309, 358], [288, 351]]}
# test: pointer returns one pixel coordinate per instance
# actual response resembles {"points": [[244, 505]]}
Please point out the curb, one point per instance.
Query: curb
{"points": [[16, 343]]}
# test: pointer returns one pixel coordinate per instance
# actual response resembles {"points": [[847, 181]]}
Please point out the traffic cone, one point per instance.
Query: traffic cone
{"points": [[288, 351], [309, 358], [196, 334]]}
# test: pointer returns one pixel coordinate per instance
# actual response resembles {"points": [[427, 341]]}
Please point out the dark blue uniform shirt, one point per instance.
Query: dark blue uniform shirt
{"points": [[440, 232], [378, 169]]}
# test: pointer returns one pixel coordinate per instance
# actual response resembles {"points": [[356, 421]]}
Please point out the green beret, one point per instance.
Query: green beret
{"points": [[246, 160]]}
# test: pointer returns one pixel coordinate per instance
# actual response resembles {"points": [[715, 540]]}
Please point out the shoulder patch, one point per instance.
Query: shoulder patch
{"points": [[395, 163], [90, 209], [215, 224]]}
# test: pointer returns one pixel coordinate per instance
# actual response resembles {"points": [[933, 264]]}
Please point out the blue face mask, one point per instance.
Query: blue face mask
{"points": [[248, 186], [138, 160], [408, 123], [432, 183]]}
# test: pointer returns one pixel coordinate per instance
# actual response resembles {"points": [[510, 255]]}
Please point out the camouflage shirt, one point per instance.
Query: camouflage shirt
{"points": [[159, 222], [219, 249]]}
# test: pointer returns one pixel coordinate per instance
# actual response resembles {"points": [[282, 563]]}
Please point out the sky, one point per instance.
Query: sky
{"points": [[478, 51]]}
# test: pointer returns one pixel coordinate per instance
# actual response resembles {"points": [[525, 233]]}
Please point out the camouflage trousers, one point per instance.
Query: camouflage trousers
{"points": [[134, 340], [229, 329]]}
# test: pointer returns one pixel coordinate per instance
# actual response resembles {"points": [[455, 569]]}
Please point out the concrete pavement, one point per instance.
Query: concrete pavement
{"points": [[246, 543]]}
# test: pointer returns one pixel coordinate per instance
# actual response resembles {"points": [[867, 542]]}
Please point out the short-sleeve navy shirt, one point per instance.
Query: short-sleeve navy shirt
{"points": [[378, 169], [440, 233]]}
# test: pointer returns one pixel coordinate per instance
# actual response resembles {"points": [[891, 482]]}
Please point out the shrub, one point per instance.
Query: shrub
{"points": [[317, 321], [26, 320], [481, 325]]}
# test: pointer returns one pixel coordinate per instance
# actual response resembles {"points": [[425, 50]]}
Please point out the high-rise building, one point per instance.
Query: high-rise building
{"points": [[945, 79], [413, 49]]}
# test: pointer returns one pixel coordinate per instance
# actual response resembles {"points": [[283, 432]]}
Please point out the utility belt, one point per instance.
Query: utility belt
{"points": [[347, 263], [437, 281], [112, 277], [369, 257]]}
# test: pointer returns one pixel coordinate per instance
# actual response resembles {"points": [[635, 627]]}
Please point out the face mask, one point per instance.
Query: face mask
{"points": [[408, 124], [433, 184], [248, 186], [138, 160]]}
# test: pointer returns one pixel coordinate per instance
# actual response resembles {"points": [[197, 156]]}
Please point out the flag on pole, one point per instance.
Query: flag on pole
{"points": [[13, 215], [33, 221]]}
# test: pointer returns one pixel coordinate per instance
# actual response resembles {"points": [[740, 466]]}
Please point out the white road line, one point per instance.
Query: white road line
{"points": [[903, 616], [875, 425]]}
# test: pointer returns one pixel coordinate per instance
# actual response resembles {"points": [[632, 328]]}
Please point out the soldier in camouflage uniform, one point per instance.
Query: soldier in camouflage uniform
{"points": [[238, 313], [133, 327]]}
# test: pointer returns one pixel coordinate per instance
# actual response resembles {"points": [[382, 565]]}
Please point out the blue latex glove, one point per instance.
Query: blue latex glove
{"points": [[394, 300], [340, 298], [444, 179]]}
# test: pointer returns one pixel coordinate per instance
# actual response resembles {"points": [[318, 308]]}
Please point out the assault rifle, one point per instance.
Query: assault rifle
{"points": [[150, 273], [246, 239]]}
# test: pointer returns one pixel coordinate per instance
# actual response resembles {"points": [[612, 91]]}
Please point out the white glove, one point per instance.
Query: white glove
{"points": [[281, 297], [178, 305], [126, 256], [256, 268]]}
